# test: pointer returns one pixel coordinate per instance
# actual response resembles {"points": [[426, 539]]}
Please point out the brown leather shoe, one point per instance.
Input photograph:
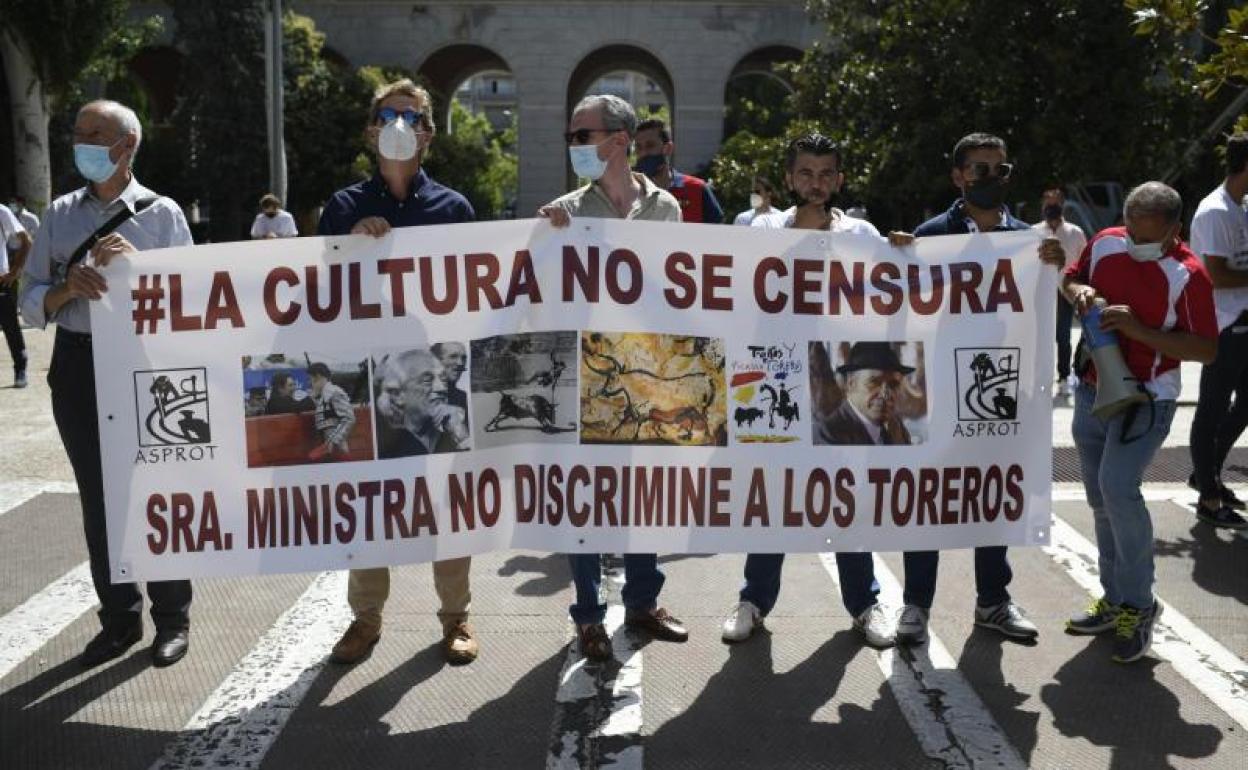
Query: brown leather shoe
{"points": [[459, 645], [356, 643], [659, 623]]}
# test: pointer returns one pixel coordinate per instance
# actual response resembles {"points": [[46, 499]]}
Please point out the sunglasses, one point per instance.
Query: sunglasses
{"points": [[981, 170], [581, 135], [410, 116]]}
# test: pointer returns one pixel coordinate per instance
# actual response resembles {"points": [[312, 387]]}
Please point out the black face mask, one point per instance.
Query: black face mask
{"points": [[986, 194], [1052, 212]]}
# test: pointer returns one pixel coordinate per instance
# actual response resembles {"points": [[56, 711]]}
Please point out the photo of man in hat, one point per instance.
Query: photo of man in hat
{"points": [[873, 383]]}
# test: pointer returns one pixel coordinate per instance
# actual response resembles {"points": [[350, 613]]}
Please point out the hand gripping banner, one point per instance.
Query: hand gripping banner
{"points": [[319, 403]]}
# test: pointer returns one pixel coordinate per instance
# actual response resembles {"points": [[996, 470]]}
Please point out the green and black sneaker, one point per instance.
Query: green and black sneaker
{"points": [[1097, 618], [1133, 632]]}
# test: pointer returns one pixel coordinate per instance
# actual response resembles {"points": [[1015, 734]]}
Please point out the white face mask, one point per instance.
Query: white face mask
{"points": [[397, 141], [756, 201], [585, 161], [1145, 252]]}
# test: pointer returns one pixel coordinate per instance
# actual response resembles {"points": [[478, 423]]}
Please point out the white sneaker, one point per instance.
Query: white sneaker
{"points": [[874, 625], [741, 622], [1063, 389], [912, 625]]}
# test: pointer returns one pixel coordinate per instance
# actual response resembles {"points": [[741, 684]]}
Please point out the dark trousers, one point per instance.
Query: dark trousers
{"points": [[1065, 314], [12, 329], [642, 582], [72, 379], [1218, 424], [992, 575], [856, 572]]}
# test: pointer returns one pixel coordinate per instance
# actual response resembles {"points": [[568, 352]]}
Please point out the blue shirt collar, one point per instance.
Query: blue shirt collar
{"points": [[377, 185]]}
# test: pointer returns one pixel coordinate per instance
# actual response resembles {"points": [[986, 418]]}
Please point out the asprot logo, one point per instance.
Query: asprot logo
{"points": [[987, 384], [172, 407]]}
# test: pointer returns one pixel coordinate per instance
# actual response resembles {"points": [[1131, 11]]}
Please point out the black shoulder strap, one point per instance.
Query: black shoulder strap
{"points": [[112, 224]]}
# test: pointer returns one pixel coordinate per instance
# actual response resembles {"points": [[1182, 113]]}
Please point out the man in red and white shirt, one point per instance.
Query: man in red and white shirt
{"points": [[1159, 304]]}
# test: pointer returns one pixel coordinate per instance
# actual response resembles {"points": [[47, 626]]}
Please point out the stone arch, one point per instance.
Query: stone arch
{"points": [[754, 77], [446, 68], [613, 58]]}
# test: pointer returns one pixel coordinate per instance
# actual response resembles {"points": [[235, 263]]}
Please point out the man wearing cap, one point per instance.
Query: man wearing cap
{"points": [[868, 415]]}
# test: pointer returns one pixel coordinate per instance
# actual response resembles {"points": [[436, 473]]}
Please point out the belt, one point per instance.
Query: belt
{"points": [[72, 339]]}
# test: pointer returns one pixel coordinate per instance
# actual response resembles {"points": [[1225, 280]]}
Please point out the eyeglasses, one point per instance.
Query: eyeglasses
{"points": [[981, 170], [410, 116], [581, 135]]}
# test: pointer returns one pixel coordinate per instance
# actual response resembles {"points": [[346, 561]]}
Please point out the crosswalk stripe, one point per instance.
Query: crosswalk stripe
{"points": [[602, 701], [242, 719], [950, 721], [15, 493], [27, 627], [1211, 668]]}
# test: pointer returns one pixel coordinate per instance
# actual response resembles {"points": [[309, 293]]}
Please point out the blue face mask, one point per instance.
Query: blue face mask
{"points": [[585, 161], [650, 164], [93, 162]]}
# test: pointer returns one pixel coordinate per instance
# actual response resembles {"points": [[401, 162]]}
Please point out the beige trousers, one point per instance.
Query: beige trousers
{"points": [[368, 589]]}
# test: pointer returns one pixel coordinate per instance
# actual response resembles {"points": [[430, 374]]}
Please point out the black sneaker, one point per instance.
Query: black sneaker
{"points": [[1098, 617], [1133, 632], [1222, 517], [1229, 498]]}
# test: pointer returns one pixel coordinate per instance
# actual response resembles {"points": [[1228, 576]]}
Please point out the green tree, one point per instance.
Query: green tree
{"points": [[46, 45], [220, 114], [325, 110], [476, 161], [1074, 92]]}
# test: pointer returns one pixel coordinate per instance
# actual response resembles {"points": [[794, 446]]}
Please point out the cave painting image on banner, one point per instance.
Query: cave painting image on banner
{"points": [[524, 389], [663, 389], [309, 407], [768, 393], [868, 393]]}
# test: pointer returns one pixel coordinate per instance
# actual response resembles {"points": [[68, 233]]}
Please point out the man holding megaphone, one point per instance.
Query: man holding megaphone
{"points": [[1146, 303]]}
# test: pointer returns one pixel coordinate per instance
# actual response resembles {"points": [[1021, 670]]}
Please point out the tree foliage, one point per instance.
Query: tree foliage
{"points": [[65, 36], [1074, 92], [476, 161], [1227, 67]]}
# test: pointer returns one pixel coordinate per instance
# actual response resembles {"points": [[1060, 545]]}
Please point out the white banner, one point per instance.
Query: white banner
{"points": [[317, 403]]}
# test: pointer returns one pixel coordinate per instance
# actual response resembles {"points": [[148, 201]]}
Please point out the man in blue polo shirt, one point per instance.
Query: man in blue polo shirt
{"points": [[981, 172], [400, 194]]}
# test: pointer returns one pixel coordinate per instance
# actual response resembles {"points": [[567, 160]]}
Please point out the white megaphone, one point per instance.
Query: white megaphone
{"points": [[1117, 389]]}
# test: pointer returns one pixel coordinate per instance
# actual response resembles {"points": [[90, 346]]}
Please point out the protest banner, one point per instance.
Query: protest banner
{"points": [[613, 386]]}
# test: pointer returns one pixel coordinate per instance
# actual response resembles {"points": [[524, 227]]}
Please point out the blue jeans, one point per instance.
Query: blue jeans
{"points": [[857, 575], [992, 575], [642, 583], [1112, 473]]}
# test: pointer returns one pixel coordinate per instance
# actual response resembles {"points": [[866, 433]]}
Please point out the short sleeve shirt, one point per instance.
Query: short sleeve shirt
{"points": [[1173, 293], [1220, 228]]}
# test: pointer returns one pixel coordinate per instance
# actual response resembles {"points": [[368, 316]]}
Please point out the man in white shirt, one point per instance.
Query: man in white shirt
{"points": [[16, 245], [24, 215], [273, 221], [1072, 238], [1220, 238], [761, 202], [813, 175]]}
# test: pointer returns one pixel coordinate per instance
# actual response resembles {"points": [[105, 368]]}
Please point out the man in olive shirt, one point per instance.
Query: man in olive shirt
{"points": [[599, 136]]}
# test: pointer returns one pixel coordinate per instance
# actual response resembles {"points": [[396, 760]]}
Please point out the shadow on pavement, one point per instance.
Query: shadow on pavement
{"points": [[1124, 708], [509, 731], [1217, 560], [980, 664], [550, 573], [37, 726], [748, 716]]}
